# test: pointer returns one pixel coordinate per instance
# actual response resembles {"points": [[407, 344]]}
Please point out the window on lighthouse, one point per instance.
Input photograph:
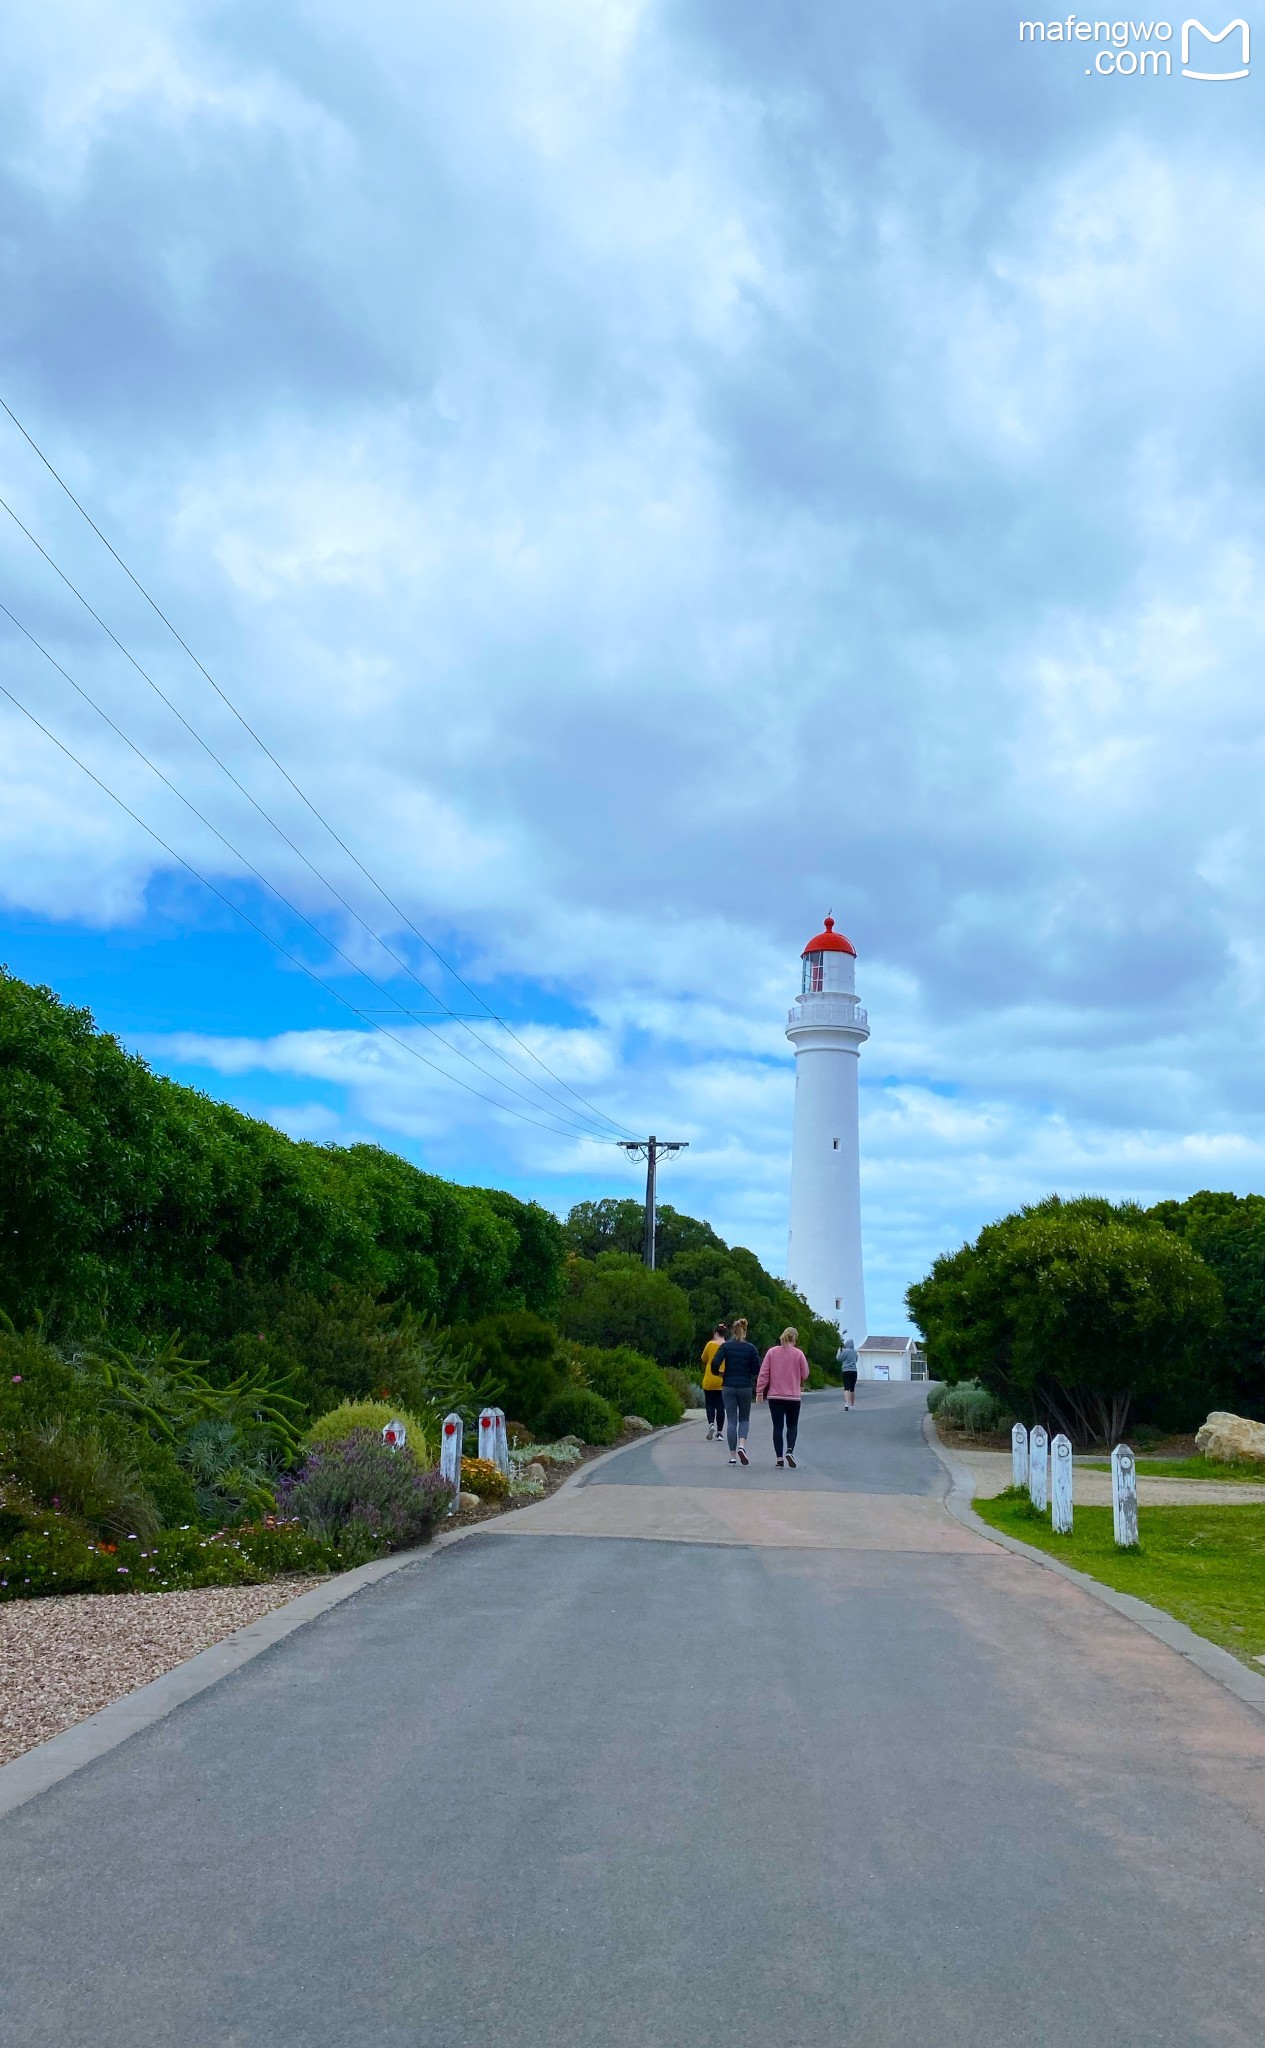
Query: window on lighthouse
{"points": [[814, 973]]}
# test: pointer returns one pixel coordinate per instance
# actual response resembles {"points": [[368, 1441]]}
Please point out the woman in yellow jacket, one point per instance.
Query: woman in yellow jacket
{"points": [[713, 1385]]}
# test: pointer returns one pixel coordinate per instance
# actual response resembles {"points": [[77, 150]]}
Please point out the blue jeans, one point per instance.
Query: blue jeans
{"points": [[737, 1414]]}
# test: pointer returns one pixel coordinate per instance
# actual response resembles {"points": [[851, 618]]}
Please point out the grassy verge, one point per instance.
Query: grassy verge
{"points": [[1203, 1565], [1189, 1468]]}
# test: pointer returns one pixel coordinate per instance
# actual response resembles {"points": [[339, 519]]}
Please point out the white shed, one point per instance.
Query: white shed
{"points": [[891, 1358]]}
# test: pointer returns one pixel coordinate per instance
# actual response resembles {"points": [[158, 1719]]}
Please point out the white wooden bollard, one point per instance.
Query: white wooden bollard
{"points": [[487, 1434], [501, 1443], [1061, 1485], [395, 1435], [1019, 1455], [450, 1455], [1038, 1468], [1124, 1497]]}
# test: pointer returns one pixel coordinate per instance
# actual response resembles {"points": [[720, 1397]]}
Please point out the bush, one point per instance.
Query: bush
{"points": [[361, 1490], [43, 1553], [971, 1407], [517, 1353], [484, 1478], [614, 1300], [690, 1394], [78, 1471], [936, 1394], [633, 1383], [341, 1422], [578, 1411]]}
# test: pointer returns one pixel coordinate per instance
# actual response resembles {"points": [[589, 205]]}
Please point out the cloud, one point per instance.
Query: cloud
{"points": [[652, 477]]}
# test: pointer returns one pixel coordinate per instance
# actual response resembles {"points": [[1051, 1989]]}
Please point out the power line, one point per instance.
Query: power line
{"points": [[161, 694], [284, 951], [387, 898], [271, 887]]}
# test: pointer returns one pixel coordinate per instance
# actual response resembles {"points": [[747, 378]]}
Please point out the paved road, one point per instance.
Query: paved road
{"points": [[876, 1449], [578, 1789]]}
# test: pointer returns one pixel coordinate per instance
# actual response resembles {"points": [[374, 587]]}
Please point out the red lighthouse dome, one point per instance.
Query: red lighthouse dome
{"points": [[829, 941]]}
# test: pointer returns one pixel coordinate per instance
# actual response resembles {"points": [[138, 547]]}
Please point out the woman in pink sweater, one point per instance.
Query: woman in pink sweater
{"points": [[783, 1372]]}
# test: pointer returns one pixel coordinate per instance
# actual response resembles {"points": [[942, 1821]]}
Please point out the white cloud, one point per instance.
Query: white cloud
{"points": [[648, 488]]}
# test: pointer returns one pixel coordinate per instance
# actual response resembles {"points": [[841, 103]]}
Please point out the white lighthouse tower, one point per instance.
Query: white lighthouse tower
{"points": [[827, 1028]]}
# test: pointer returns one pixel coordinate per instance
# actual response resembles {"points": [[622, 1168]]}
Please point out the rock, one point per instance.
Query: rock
{"points": [[639, 1423], [578, 1441], [1229, 1439], [536, 1471], [469, 1500]]}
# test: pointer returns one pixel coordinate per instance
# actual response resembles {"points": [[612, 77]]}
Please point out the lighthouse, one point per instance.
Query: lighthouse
{"points": [[827, 1028]]}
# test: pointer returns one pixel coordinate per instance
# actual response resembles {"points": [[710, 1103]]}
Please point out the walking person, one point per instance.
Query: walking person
{"points": [[783, 1374], [737, 1363], [846, 1359], [713, 1384]]}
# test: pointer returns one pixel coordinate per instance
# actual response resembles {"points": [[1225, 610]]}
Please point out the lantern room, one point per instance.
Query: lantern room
{"points": [[829, 964]]}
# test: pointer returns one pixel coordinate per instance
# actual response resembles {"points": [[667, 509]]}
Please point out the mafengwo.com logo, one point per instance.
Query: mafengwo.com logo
{"points": [[1144, 49]]}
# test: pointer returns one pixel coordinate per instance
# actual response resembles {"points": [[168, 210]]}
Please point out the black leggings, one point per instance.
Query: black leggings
{"points": [[785, 1415], [714, 1402], [737, 1414]]}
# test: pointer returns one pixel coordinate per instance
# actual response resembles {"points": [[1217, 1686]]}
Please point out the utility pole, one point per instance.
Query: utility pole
{"points": [[651, 1149]]}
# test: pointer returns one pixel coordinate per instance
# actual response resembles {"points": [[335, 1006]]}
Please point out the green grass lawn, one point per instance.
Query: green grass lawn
{"points": [[1186, 1468], [1203, 1565]]}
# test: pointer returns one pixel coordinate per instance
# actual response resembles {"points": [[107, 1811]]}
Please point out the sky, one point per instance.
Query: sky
{"points": [[652, 472]]}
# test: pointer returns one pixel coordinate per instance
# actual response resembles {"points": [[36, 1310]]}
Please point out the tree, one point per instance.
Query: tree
{"points": [[1074, 1313], [1228, 1232], [618, 1225], [718, 1281], [126, 1197], [614, 1300]]}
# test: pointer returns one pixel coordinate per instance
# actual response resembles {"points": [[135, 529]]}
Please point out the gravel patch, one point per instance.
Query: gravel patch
{"points": [[63, 1658]]}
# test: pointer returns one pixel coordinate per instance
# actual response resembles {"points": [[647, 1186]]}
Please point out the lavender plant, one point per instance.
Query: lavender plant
{"points": [[359, 1488]]}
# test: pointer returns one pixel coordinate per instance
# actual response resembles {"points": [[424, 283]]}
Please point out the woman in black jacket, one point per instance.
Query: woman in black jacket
{"points": [[738, 1364]]}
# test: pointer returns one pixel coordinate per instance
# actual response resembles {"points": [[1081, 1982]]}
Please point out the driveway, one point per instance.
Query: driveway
{"points": [[801, 1761]]}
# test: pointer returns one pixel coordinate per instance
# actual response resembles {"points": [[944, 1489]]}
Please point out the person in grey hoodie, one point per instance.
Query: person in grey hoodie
{"points": [[848, 1363]]}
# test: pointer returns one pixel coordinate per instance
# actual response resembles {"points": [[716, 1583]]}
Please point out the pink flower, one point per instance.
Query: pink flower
{"points": [[17, 1379]]}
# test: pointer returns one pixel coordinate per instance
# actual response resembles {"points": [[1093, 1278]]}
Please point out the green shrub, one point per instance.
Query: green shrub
{"points": [[633, 1383], [614, 1300], [689, 1392], [578, 1411], [971, 1407], [349, 1416], [936, 1394], [78, 1471], [517, 1356], [39, 1386]]}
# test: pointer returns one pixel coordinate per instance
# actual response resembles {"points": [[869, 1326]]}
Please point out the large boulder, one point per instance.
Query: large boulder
{"points": [[1232, 1439], [639, 1423]]}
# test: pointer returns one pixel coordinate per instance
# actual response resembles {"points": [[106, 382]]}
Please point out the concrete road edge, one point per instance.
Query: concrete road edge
{"points": [[49, 1762], [1212, 1660]]}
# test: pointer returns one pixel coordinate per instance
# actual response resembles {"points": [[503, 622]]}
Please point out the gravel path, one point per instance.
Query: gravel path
{"points": [[62, 1659]]}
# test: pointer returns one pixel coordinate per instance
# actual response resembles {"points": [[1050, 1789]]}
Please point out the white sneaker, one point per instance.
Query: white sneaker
{"points": [[710, 1434]]}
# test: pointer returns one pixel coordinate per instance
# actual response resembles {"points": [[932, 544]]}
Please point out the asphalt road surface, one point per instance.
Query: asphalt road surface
{"points": [[819, 1768]]}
